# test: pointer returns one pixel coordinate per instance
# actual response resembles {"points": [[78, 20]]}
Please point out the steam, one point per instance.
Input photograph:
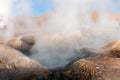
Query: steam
{"points": [[9, 9], [5, 7], [65, 33], [22, 7], [5, 13], [70, 27]]}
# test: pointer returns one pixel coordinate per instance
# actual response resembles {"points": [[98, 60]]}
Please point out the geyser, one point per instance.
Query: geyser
{"points": [[65, 32], [70, 27]]}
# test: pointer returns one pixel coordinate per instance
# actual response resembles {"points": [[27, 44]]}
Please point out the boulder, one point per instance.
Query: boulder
{"points": [[22, 44], [16, 66], [111, 50]]}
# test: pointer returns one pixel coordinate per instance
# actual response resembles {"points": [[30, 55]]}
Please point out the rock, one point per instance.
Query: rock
{"points": [[30, 40], [85, 53], [16, 66], [111, 50], [97, 68], [22, 44]]}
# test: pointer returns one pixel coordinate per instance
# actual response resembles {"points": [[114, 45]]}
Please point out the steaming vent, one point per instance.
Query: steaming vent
{"points": [[72, 25]]}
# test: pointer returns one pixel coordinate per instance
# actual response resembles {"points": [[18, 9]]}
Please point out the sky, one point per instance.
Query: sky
{"points": [[45, 6], [40, 7], [30, 7]]}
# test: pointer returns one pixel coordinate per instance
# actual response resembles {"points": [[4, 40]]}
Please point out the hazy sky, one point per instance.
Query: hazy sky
{"points": [[40, 7]]}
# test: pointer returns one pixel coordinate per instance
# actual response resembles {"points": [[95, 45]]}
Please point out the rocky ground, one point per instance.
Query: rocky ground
{"points": [[96, 68], [104, 65], [98, 64]]}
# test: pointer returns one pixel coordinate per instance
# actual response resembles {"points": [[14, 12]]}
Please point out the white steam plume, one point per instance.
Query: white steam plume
{"points": [[5, 7], [8, 10], [65, 32], [5, 14]]}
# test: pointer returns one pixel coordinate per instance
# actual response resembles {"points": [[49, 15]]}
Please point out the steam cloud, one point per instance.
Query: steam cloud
{"points": [[5, 12], [65, 31], [10, 9]]}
